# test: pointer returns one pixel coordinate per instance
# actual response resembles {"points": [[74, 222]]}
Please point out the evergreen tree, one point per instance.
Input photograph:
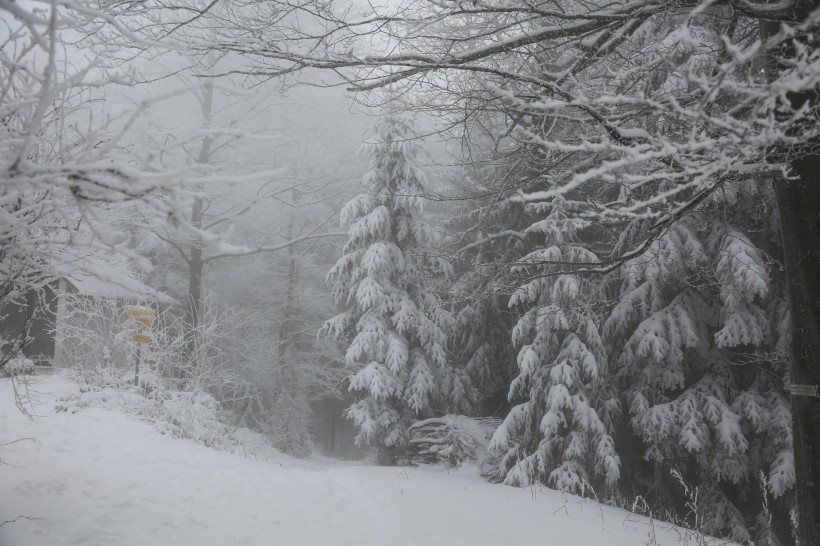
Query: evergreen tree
{"points": [[698, 339], [393, 323], [555, 434]]}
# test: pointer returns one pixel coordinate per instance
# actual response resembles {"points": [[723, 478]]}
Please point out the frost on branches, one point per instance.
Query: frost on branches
{"points": [[394, 326], [60, 161], [556, 434]]}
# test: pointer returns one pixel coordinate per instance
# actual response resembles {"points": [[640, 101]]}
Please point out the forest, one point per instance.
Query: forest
{"points": [[572, 243]]}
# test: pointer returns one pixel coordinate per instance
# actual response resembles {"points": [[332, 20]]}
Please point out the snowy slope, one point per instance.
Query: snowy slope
{"points": [[102, 477]]}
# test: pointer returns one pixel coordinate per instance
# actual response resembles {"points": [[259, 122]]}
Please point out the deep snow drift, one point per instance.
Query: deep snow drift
{"points": [[103, 477]]}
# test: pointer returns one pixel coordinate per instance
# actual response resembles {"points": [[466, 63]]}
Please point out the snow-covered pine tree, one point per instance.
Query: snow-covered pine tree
{"points": [[555, 434], [697, 341], [393, 324]]}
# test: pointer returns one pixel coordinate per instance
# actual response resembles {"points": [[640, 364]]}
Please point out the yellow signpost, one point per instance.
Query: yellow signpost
{"points": [[143, 316]]}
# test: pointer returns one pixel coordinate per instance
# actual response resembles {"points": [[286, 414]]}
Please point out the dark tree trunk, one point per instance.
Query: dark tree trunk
{"points": [[799, 205], [798, 202]]}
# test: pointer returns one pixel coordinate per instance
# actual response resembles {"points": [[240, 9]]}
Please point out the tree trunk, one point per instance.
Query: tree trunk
{"points": [[195, 261], [799, 205], [290, 411], [798, 202], [288, 329], [195, 265]]}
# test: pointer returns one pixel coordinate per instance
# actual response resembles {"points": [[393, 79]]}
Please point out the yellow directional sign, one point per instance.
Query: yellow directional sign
{"points": [[142, 315], [141, 312], [141, 338]]}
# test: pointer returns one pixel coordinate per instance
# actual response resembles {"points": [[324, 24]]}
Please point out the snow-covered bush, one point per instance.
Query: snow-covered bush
{"points": [[194, 415], [18, 365], [452, 439]]}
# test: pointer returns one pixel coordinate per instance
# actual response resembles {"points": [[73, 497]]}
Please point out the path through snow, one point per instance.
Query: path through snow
{"points": [[101, 477]]}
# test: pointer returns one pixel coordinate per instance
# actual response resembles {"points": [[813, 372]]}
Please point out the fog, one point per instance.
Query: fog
{"points": [[414, 272]]}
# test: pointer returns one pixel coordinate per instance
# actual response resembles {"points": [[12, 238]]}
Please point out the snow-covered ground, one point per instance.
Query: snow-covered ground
{"points": [[103, 477]]}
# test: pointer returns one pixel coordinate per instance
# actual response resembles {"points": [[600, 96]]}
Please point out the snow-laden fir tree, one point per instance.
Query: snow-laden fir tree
{"points": [[556, 434], [392, 323], [697, 342]]}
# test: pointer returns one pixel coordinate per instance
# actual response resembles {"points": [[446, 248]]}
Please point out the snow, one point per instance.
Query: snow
{"points": [[103, 477], [103, 277]]}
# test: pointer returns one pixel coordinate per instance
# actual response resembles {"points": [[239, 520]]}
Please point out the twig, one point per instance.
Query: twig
{"points": [[18, 517], [15, 441], [564, 508]]}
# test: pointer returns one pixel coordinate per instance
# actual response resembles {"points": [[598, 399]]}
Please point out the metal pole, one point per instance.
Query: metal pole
{"points": [[137, 368]]}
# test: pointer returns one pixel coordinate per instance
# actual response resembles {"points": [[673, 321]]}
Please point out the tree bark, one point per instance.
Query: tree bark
{"points": [[799, 206], [195, 261], [798, 202]]}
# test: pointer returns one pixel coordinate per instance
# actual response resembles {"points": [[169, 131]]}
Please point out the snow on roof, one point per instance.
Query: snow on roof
{"points": [[106, 277]]}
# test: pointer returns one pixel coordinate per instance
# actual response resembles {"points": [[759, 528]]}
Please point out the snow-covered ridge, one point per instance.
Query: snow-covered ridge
{"points": [[97, 476]]}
